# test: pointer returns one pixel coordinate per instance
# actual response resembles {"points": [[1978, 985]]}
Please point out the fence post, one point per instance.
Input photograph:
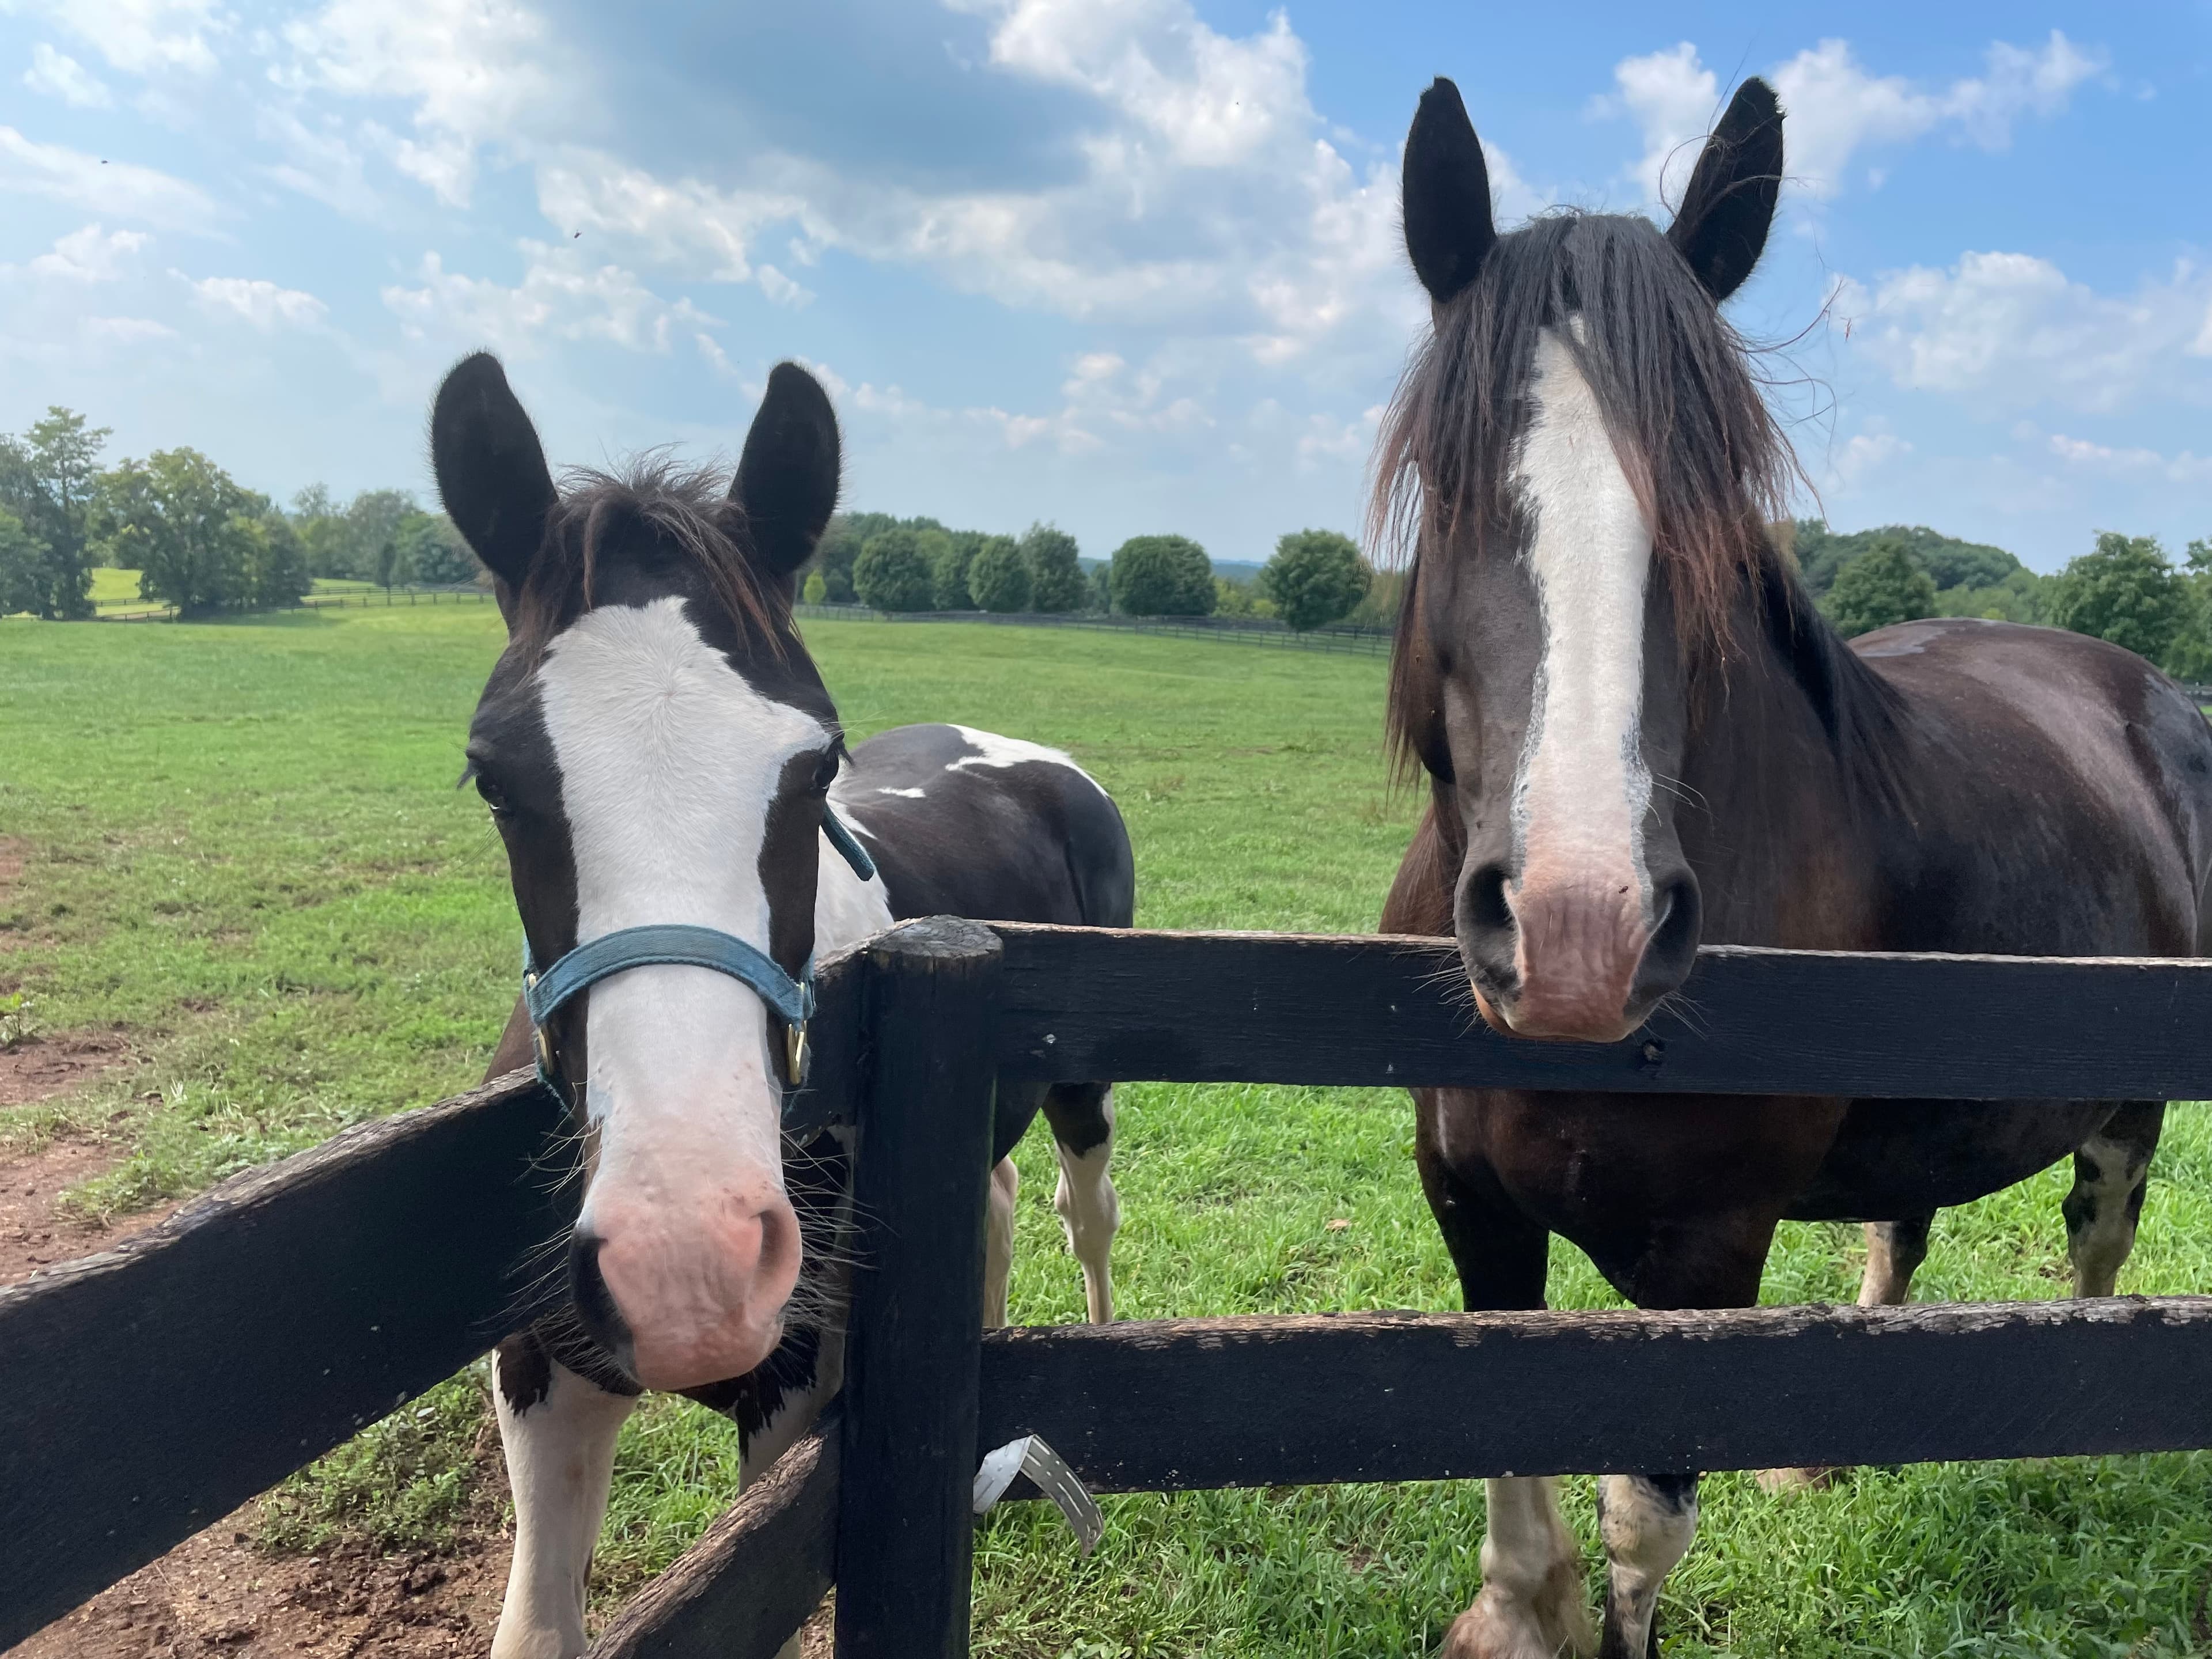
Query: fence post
{"points": [[906, 1529]]}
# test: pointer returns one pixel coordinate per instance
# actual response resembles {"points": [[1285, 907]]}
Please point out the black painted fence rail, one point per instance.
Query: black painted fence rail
{"points": [[146, 1392]]}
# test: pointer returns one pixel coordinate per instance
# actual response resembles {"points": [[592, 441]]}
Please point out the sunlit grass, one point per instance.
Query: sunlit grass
{"points": [[244, 847]]}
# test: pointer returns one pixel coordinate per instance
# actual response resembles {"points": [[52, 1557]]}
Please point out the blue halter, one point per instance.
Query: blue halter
{"points": [[681, 945]]}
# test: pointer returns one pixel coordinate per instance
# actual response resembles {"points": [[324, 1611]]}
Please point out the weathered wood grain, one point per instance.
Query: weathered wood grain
{"points": [[1090, 1003], [754, 1576], [906, 1532], [148, 1391], [1183, 1404]]}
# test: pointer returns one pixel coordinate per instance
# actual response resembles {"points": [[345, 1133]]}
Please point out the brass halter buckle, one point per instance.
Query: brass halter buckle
{"points": [[797, 1057]]}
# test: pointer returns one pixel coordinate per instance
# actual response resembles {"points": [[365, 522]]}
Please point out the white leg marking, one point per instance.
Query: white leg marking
{"points": [[999, 1242], [1895, 1250], [2101, 1212], [1645, 1534], [1091, 1210], [1532, 1605], [1582, 789], [560, 1460]]}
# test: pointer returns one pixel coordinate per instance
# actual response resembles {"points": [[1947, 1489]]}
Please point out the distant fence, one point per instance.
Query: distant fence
{"points": [[384, 597], [1253, 630]]}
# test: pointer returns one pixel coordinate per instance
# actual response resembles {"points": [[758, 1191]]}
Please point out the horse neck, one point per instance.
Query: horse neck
{"points": [[1789, 776]]}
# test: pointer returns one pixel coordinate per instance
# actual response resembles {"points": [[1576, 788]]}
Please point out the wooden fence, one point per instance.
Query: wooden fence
{"points": [[146, 1392], [385, 598], [1251, 630]]}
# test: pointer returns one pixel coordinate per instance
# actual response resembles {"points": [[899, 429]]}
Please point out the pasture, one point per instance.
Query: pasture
{"points": [[241, 848]]}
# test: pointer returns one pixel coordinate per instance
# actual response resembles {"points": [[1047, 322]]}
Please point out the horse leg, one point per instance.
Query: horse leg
{"points": [[1532, 1604], [1647, 1521], [1895, 1250], [558, 1432], [1082, 1119], [2112, 1169], [999, 1242]]}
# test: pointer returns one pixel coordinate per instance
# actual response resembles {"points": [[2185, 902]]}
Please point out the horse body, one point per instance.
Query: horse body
{"points": [[657, 748], [1640, 735]]}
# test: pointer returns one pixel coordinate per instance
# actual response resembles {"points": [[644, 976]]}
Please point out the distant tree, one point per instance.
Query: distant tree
{"points": [[1240, 600], [432, 551], [2125, 590], [23, 573], [1101, 586], [1379, 608], [999, 577], [1881, 586], [1821, 553], [948, 555], [1163, 576], [275, 564], [1056, 578], [47, 481], [1314, 578], [892, 574], [373, 522], [179, 519], [814, 590], [320, 522], [839, 550], [64, 456]]}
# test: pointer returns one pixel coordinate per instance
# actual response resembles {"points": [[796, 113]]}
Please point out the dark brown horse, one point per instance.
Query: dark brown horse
{"points": [[1640, 736]]}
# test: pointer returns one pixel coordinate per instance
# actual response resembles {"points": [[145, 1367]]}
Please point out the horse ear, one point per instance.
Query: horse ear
{"points": [[490, 467], [1729, 205], [1446, 194], [786, 481]]}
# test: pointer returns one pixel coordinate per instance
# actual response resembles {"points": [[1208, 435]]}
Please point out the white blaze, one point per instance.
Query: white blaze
{"points": [[668, 763], [1582, 787]]}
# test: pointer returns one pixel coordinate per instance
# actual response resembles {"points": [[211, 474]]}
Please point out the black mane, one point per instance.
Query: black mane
{"points": [[653, 509]]}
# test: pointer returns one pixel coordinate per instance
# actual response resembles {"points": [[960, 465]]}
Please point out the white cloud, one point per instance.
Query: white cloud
{"points": [[2008, 331], [57, 75], [1833, 108], [1206, 197], [1213, 101], [90, 255], [127, 331], [319, 162], [113, 189], [262, 303], [1852, 463], [560, 297], [476, 71], [144, 37], [2079, 452]]}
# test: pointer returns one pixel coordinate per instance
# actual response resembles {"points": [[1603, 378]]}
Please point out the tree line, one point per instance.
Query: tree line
{"points": [[1314, 578], [2125, 589], [200, 540]]}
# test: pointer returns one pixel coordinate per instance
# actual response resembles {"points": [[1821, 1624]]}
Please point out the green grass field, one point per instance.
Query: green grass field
{"points": [[244, 848], [117, 589]]}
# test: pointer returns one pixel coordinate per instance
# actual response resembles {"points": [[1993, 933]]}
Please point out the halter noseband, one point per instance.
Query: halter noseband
{"points": [[683, 945]]}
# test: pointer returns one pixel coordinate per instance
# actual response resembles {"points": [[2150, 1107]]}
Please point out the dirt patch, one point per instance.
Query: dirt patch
{"points": [[48, 1065], [217, 1594], [35, 1230]]}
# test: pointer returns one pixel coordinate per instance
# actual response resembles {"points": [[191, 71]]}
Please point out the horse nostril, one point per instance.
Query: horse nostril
{"points": [[1484, 902], [595, 1303]]}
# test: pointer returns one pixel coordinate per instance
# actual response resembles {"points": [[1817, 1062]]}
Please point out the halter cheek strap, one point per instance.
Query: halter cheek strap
{"points": [[681, 945]]}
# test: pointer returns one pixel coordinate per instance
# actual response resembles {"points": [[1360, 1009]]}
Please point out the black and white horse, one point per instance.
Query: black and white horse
{"points": [[663, 763]]}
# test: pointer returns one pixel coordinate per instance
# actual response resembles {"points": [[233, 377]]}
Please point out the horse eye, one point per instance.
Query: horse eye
{"points": [[492, 796], [826, 773]]}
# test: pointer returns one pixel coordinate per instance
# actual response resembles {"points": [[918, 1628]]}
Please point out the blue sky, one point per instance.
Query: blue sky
{"points": [[1134, 267]]}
